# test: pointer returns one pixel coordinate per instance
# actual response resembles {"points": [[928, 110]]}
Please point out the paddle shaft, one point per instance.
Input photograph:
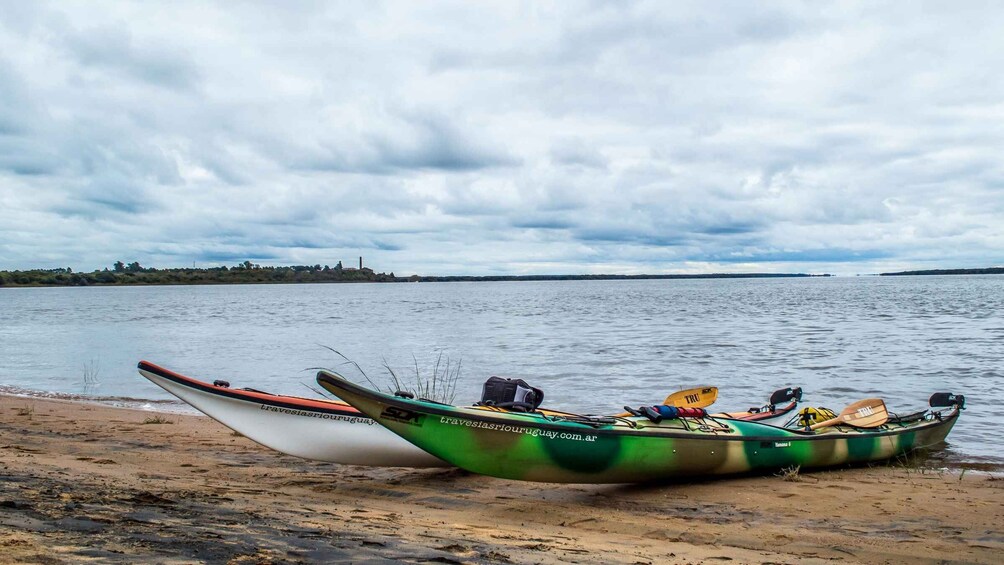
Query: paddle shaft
{"points": [[701, 397]]}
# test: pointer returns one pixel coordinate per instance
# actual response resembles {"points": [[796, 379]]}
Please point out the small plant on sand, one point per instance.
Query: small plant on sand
{"points": [[908, 462], [158, 419], [439, 385], [917, 461], [790, 474], [27, 411], [91, 374]]}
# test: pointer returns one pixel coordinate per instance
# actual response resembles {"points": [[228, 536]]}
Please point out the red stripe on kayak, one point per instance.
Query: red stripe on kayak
{"points": [[307, 403]]}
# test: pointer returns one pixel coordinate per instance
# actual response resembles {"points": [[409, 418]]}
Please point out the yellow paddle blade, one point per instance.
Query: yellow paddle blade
{"points": [[868, 413], [701, 397]]}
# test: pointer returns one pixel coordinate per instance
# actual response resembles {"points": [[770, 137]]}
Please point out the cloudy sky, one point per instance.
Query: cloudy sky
{"points": [[509, 137]]}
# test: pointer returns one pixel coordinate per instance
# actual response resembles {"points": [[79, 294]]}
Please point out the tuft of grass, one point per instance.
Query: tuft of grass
{"points": [[440, 385], [915, 461], [91, 370], [158, 419], [909, 462], [27, 411], [790, 474]]}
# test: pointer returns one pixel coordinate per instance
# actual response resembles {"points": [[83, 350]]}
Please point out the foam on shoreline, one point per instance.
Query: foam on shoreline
{"points": [[172, 406]]}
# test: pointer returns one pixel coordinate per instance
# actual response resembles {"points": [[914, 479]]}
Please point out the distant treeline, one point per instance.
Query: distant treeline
{"points": [[245, 273], [249, 273], [987, 271]]}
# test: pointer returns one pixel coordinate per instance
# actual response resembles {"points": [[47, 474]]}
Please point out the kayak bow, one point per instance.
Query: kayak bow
{"points": [[322, 430]]}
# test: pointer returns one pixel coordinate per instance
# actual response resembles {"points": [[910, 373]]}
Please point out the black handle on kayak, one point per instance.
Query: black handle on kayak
{"points": [[785, 395], [514, 406], [632, 411], [941, 399]]}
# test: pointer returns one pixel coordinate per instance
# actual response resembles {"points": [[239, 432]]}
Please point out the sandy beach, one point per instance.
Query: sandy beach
{"points": [[90, 483]]}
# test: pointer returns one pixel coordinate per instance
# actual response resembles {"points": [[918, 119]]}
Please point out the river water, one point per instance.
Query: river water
{"points": [[593, 346]]}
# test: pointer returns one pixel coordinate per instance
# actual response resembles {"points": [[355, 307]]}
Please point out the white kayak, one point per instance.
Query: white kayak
{"points": [[322, 430]]}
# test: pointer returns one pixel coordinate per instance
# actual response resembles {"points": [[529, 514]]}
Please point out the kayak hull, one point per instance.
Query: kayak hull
{"points": [[321, 430], [630, 450]]}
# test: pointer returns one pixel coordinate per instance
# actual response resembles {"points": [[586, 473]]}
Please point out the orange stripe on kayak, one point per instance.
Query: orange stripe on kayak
{"points": [[297, 400]]}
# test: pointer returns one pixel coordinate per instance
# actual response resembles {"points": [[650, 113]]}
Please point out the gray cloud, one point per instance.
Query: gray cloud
{"points": [[113, 48], [415, 142], [16, 107], [575, 152]]}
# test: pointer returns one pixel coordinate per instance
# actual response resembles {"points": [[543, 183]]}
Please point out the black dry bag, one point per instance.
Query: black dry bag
{"points": [[511, 393]]}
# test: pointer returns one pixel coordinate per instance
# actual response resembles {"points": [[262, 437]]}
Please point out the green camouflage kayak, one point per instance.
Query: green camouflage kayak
{"points": [[585, 449]]}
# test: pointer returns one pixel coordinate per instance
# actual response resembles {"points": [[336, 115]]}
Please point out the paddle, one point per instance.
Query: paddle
{"points": [[770, 410], [693, 398], [868, 413], [700, 397]]}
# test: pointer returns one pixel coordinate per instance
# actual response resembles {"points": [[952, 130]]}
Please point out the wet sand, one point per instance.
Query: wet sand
{"points": [[87, 483]]}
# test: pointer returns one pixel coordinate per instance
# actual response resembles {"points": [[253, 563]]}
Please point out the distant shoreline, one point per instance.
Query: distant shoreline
{"points": [[302, 275], [135, 275], [987, 271]]}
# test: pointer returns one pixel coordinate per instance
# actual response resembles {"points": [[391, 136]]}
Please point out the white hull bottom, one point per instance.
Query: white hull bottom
{"points": [[303, 431]]}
